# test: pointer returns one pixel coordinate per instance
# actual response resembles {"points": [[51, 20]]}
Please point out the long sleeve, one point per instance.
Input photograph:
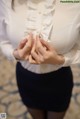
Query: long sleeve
{"points": [[5, 44]]}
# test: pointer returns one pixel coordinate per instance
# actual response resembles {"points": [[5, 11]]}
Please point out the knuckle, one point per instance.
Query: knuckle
{"points": [[29, 46], [21, 54]]}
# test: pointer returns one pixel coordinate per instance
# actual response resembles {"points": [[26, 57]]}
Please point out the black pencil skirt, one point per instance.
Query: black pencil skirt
{"points": [[50, 91]]}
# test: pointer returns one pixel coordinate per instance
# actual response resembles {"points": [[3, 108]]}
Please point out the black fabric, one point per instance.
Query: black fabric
{"points": [[50, 91]]}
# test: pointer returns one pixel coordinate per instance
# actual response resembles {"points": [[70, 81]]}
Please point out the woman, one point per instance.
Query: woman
{"points": [[43, 35]]}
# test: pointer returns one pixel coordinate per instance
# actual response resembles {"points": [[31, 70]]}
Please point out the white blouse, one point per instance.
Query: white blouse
{"points": [[57, 22]]}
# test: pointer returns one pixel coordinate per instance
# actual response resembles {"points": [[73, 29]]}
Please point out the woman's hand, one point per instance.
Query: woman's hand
{"points": [[44, 53], [24, 48], [34, 56]]}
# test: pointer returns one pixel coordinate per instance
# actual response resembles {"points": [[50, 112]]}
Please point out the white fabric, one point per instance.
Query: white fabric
{"points": [[56, 22]]}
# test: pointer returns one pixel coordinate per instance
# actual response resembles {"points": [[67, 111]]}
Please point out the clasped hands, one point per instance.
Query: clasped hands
{"points": [[37, 51]]}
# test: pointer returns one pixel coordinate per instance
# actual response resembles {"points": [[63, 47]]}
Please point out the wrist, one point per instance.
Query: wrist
{"points": [[61, 59], [15, 54]]}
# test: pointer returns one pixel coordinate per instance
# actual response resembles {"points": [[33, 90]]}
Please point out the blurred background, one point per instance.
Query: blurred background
{"points": [[10, 101]]}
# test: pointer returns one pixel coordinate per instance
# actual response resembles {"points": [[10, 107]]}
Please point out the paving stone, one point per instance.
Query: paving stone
{"points": [[3, 94], [16, 109], [73, 111], [21, 117], [13, 81], [9, 117], [78, 99], [76, 74], [2, 81], [10, 98], [2, 108], [76, 90], [10, 88], [78, 116]]}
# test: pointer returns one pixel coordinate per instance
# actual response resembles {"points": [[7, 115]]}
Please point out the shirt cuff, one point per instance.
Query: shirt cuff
{"points": [[67, 61], [11, 57]]}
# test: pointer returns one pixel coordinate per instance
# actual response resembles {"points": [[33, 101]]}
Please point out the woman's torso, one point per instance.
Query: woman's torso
{"points": [[57, 22]]}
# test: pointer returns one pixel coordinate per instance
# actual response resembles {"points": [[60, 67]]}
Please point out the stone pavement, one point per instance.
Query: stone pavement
{"points": [[10, 101]]}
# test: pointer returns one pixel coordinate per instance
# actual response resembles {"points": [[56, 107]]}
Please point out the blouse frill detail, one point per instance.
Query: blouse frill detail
{"points": [[39, 18]]}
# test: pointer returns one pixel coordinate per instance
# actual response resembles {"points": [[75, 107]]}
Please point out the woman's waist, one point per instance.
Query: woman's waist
{"points": [[41, 68]]}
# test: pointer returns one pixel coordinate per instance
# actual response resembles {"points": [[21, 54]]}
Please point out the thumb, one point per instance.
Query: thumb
{"points": [[46, 44]]}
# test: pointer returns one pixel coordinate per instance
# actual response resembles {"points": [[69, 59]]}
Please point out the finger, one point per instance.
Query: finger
{"points": [[41, 58], [22, 43], [30, 39], [31, 60], [45, 48], [34, 54], [26, 49], [27, 57], [39, 46], [28, 45], [46, 44], [37, 55]]}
